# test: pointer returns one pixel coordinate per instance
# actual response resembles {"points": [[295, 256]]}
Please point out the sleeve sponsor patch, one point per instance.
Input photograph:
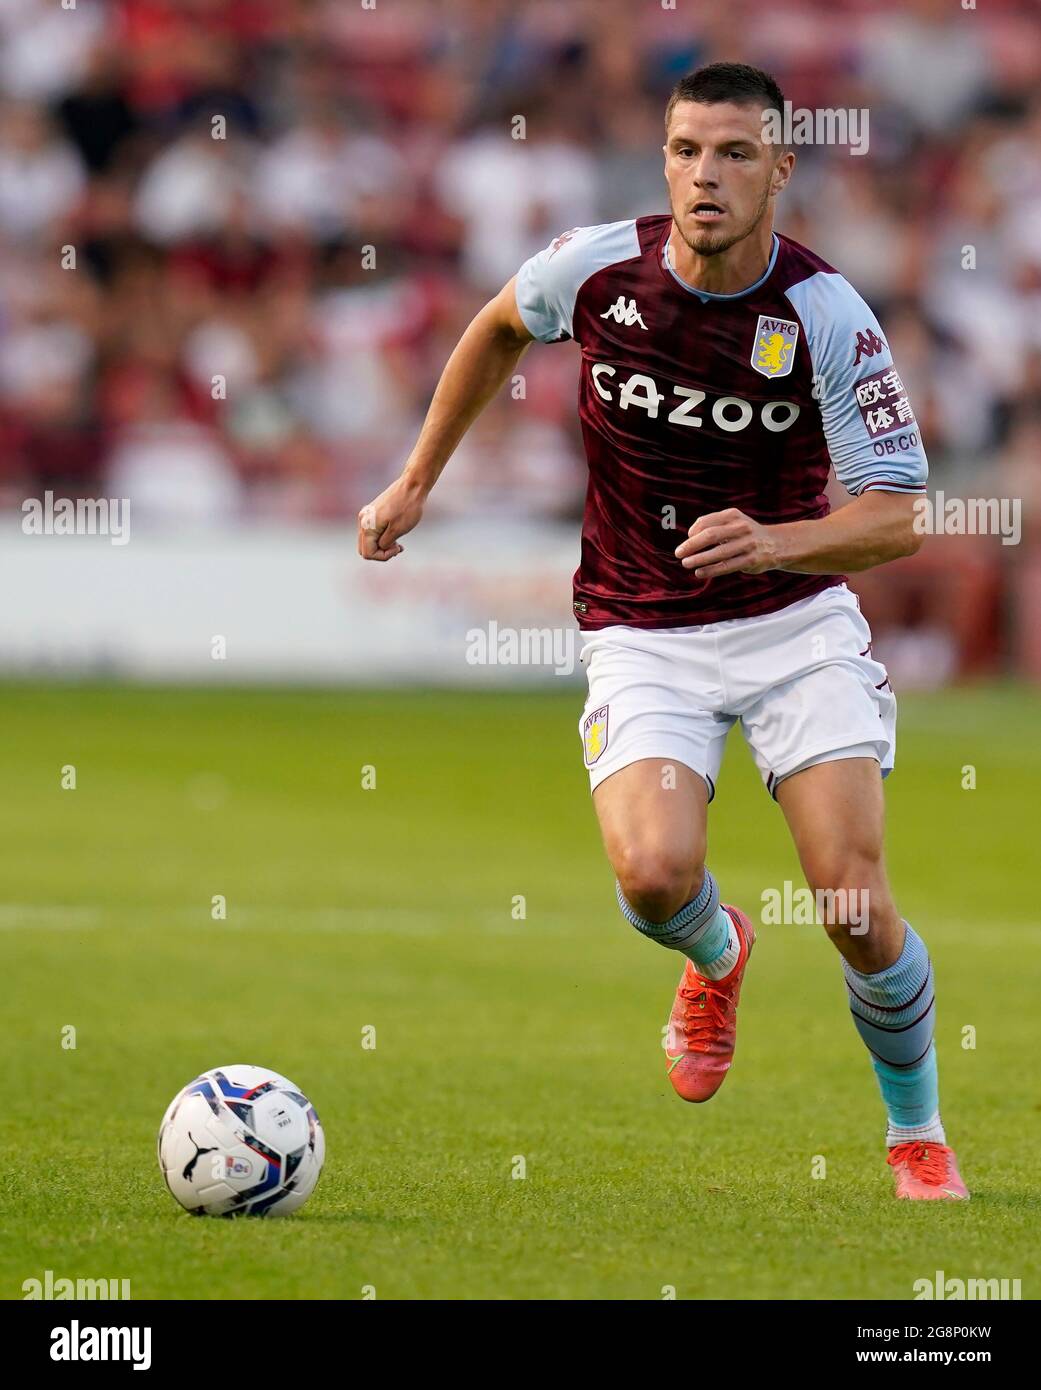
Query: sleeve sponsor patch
{"points": [[882, 399]]}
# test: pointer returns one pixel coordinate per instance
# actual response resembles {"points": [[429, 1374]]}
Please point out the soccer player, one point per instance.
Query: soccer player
{"points": [[725, 369]]}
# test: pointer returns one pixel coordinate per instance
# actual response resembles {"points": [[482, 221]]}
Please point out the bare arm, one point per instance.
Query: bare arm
{"points": [[873, 528], [483, 358]]}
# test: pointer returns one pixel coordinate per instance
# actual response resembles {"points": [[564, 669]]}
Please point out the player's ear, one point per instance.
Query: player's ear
{"points": [[782, 171]]}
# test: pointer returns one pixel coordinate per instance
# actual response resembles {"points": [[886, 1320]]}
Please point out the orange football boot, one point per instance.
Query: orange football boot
{"points": [[926, 1171], [703, 1025]]}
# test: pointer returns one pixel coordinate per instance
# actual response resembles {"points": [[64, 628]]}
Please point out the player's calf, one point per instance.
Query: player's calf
{"points": [[889, 984], [835, 814], [855, 907]]}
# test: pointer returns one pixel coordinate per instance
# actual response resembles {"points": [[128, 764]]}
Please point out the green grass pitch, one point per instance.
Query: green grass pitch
{"points": [[496, 1038]]}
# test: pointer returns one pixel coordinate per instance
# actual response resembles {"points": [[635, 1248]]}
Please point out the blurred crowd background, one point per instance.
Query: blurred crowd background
{"points": [[389, 127]]}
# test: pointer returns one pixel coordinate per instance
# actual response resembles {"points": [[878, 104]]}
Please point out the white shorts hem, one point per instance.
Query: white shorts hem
{"points": [[833, 753], [598, 774]]}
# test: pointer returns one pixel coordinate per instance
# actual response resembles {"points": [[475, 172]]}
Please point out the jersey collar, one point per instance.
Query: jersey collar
{"points": [[704, 295]]}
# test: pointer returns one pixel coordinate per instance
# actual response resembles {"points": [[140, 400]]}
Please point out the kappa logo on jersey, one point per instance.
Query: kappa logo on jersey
{"points": [[624, 313], [867, 345], [561, 240], [774, 351], [594, 734]]}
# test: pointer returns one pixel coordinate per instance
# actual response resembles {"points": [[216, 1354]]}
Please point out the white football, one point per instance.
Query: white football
{"points": [[241, 1141]]}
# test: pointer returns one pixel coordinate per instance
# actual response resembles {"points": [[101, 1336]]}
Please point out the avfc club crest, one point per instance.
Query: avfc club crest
{"points": [[773, 352], [594, 734]]}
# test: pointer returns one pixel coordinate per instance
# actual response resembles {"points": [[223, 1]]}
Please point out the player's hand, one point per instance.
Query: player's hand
{"points": [[727, 543], [395, 512]]}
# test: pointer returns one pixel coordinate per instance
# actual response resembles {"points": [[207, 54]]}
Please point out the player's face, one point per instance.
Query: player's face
{"points": [[721, 173]]}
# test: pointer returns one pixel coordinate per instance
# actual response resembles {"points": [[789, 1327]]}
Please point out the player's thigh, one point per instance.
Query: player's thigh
{"points": [[836, 814], [653, 816]]}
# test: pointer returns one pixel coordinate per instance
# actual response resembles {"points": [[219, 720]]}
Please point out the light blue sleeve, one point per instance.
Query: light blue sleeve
{"points": [[869, 424], [548, 283]]}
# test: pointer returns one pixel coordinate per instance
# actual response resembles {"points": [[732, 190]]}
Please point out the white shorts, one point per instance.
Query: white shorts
{"points": [[802, 681]]}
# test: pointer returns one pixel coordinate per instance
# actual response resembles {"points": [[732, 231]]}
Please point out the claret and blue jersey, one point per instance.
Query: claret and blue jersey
{"points": [[693, 402]]}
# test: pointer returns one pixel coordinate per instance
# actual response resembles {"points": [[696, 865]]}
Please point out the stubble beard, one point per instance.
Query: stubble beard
{"points": [[708, 243]]}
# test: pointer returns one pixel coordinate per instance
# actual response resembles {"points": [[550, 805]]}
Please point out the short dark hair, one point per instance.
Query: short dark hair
{"points": [[736, 82]]}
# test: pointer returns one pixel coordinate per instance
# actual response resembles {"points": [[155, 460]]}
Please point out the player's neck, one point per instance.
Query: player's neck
{"points": [[729, 272]]}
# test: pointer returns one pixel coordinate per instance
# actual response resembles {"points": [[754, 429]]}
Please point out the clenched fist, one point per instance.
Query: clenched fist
{"points": [[395, 512]]}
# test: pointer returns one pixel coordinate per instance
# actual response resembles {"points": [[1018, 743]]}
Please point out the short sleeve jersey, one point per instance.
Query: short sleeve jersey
{"points": [[693, 402]]}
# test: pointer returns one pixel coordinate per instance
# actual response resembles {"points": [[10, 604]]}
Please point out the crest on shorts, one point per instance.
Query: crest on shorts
{"points": [[594, 734], [773, 352]]}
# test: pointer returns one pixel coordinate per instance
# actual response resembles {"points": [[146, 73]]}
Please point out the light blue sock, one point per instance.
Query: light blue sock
{"points": [[894, 1012], [701, 929]]}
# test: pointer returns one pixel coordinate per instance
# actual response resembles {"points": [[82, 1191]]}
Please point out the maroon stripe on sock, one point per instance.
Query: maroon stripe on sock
{"points": [[888, 1008], [901, 1066], [882, 1028]]}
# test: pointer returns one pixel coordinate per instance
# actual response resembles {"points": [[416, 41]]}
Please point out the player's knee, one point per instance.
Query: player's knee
{"points": [[657, 881], [851, 891]]}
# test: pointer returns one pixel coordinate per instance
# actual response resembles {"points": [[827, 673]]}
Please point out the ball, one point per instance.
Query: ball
{"points": [[241, 1141]]}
